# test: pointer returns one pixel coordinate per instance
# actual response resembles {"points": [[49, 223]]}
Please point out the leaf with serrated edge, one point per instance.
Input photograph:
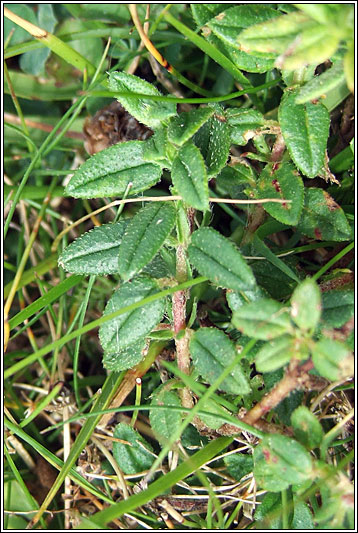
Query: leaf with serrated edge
{"points": [[213, 140], [218, 258], [212, 351], [189, 177], [305, 129], [96, 251], [109, 172], [229, 24], [121, 332], [144, 236]]}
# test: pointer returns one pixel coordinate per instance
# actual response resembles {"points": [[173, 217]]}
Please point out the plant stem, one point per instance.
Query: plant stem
{"points": [[295, 378]]}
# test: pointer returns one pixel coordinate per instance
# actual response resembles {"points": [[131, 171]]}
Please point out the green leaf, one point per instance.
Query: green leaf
{"points": [[315, 45], [306, 304], [189, 177], [321, 85], [108, 172], [213, 421], [256, 62], [127, 358], [281, 180], [263, 319], [322, 218], [144, 236], [218, 258], [302, 517], [33, 62], [348, 63], [333, 360], [96, 251], [202, 13], [212, 351], [268, 514], [183, 127], [228, 24], [237, 299], [244, 124], [165, 422], [274, 36], [280, 462], [148, 112], [213, 140], [121, 332], [305, 129], [338, 307], [236, 180], [307, 429], [155, 148], [239, 465], [275, 354], [131, 458], [19, 35]]}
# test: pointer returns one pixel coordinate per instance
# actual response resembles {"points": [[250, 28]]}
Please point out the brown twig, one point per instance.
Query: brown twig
{"points": [[296, 377]]}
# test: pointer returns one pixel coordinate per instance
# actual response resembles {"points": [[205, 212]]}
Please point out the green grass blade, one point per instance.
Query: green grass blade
{"points": [[51, 296], [91, 325], [163, 483]]}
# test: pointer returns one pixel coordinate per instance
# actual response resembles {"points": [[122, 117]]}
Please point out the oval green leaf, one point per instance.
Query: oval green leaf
{"points": [[306, 427], [144, 236], [213, 140], [306, 304], [125, 359], [165, 422], [96, 251], [244, 124], [189, 177], [263, 319], [228, 24], [275, 354], [109, 172], [182, 127], [333, 360], [281, 180], [121, 332], [322, 218], [132, 457], [280, 462], [212, 351], [305, 129], [148, 112], [218, 259]]}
